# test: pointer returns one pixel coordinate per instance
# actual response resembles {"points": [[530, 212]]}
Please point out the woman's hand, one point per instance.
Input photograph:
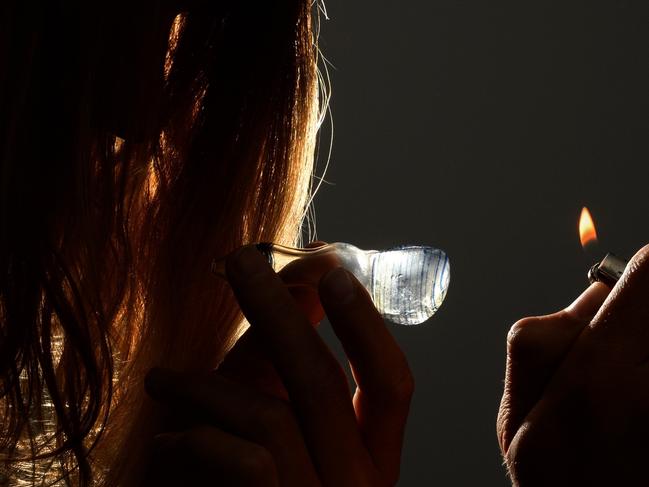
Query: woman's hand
{"points": [[279, 410], [575, 410]]}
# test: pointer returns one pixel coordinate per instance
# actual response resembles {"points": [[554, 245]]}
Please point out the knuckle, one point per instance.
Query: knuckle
{"points": [[273, 417], [522, 458], [184, 448], [520, 336], [402, 389], [257, 465], [195, 441], [336, 385], [329, 378], [516, 460], [251, 465], [396, 391], [277, 305], [326, 390]]}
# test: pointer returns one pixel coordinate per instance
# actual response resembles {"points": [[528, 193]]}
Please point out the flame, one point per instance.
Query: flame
{"points": [[587, 232]]}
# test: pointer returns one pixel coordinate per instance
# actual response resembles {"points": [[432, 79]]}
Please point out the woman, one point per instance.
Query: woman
{"points": [[139, 141]]}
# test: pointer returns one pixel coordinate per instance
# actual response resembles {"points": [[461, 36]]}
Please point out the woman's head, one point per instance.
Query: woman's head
{"points": [[137, 143]]}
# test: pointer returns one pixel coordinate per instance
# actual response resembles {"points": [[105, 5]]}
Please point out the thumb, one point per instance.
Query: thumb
{"points": [[535, 348]]}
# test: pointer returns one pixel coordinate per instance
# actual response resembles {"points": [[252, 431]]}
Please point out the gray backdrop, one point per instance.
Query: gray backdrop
{"points": [[482, 127]]}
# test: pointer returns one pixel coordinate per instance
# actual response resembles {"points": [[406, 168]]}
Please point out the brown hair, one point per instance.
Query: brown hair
{"points": [[137, 143]]}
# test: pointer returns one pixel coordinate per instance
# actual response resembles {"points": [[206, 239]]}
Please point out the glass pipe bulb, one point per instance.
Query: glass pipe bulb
{"points": [[407, 284]]}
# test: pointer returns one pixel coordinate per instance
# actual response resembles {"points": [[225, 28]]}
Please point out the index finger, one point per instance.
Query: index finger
{"points": [[621, 327], [247, 361], [316, 384], [536, 347]]}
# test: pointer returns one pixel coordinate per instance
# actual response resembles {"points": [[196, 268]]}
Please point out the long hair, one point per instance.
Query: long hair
{"points": [[137, 143]]}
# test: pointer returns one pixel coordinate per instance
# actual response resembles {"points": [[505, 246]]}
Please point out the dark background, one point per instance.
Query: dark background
{"points": [[482, 127]]}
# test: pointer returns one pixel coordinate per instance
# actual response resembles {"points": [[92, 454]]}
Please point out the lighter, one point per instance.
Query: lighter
{"points": [[608, 271]]}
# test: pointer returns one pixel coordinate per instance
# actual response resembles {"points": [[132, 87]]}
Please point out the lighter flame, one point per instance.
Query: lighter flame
{"points": [[587, 233]]}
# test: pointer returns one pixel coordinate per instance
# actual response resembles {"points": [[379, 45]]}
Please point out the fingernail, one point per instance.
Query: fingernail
{"points": [[248, 261], [339, 286], [316, 244]]}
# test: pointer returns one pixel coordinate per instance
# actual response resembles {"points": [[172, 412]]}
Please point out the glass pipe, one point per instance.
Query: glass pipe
{"points": [[407, 284]]}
